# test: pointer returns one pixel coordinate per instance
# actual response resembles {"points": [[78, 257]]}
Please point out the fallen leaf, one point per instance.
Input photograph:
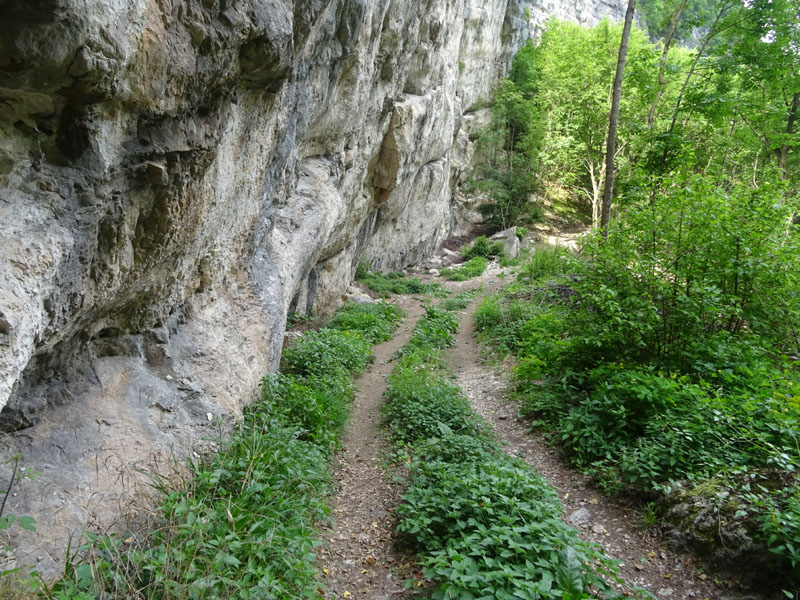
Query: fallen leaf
{"points": [[346, 594], [703, 576], [325, 571], [593, 501]]}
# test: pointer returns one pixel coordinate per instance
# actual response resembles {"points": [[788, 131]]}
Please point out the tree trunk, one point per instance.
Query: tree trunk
{"points": [[613, 117], [783, 151], [700, 52], [651, 116]]}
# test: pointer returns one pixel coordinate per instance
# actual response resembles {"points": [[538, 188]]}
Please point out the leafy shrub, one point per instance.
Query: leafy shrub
{"points": [[500, 320], [778, 518], [375, 321], [482, 247], [319, 410], [474, 267], [420, 402], [435, 330], [326, 354]]}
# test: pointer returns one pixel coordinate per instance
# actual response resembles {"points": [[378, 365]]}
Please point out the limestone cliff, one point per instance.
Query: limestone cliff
{"points": [[178, 175]]}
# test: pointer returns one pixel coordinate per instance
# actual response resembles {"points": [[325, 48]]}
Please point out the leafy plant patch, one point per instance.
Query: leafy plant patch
{"points": [[474, 267], [485, 525], [396, 282], [641, 405]]}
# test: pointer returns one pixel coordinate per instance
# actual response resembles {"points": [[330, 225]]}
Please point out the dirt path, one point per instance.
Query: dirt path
{"points": [[607, 521], [358, 554]]}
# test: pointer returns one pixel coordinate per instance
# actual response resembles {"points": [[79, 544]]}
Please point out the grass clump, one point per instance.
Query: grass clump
{"points": [[546, 261], [243, 523], [485, 525], [474, 267], [459, 301], [396, 282]]}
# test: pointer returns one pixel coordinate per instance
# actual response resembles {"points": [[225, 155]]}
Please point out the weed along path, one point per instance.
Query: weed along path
{"points": [[606, 521], [357, 558]]}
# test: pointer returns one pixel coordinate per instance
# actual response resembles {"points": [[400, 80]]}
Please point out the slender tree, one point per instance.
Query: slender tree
{"points": [[613, 118], [651, 116]]}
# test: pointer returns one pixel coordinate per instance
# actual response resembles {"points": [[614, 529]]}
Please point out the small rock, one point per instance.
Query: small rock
{"points": [[665, 592], [360, 298], [579, 517], [434, 272], [598, 529], [454, 256]]}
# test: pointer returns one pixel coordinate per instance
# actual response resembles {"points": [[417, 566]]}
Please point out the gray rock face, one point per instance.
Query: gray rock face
{"points": [[176, 176]]}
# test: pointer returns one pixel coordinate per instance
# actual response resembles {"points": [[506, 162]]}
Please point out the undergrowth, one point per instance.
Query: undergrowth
{"points": [[243, 524], [482, 247], [485, 525], [396, 282], [474, 267], [717, 405]]}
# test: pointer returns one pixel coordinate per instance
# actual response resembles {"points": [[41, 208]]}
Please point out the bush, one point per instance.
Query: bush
{"points": [[419, 405], [490, 527], [326, 354], [434, 331], [459, 301], [482, 247]]}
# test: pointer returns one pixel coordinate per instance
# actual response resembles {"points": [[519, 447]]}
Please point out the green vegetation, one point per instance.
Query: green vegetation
{"points": [[375, 322], [396, 282], [649, 377], [482, 247], [666, 358], [726, 110], [485, 525], [242, 524], [474, 267], [459, 301]]}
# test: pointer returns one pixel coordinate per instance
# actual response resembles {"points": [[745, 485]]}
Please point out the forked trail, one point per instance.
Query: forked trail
{"points": [[359, 558]]}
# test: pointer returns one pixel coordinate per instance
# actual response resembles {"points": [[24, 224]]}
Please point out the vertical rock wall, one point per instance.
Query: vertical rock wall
{"points": [[178, 175]]}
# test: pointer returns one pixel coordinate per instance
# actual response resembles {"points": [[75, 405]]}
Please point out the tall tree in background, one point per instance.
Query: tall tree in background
{"points": [[651, 116], [611, 147]]}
